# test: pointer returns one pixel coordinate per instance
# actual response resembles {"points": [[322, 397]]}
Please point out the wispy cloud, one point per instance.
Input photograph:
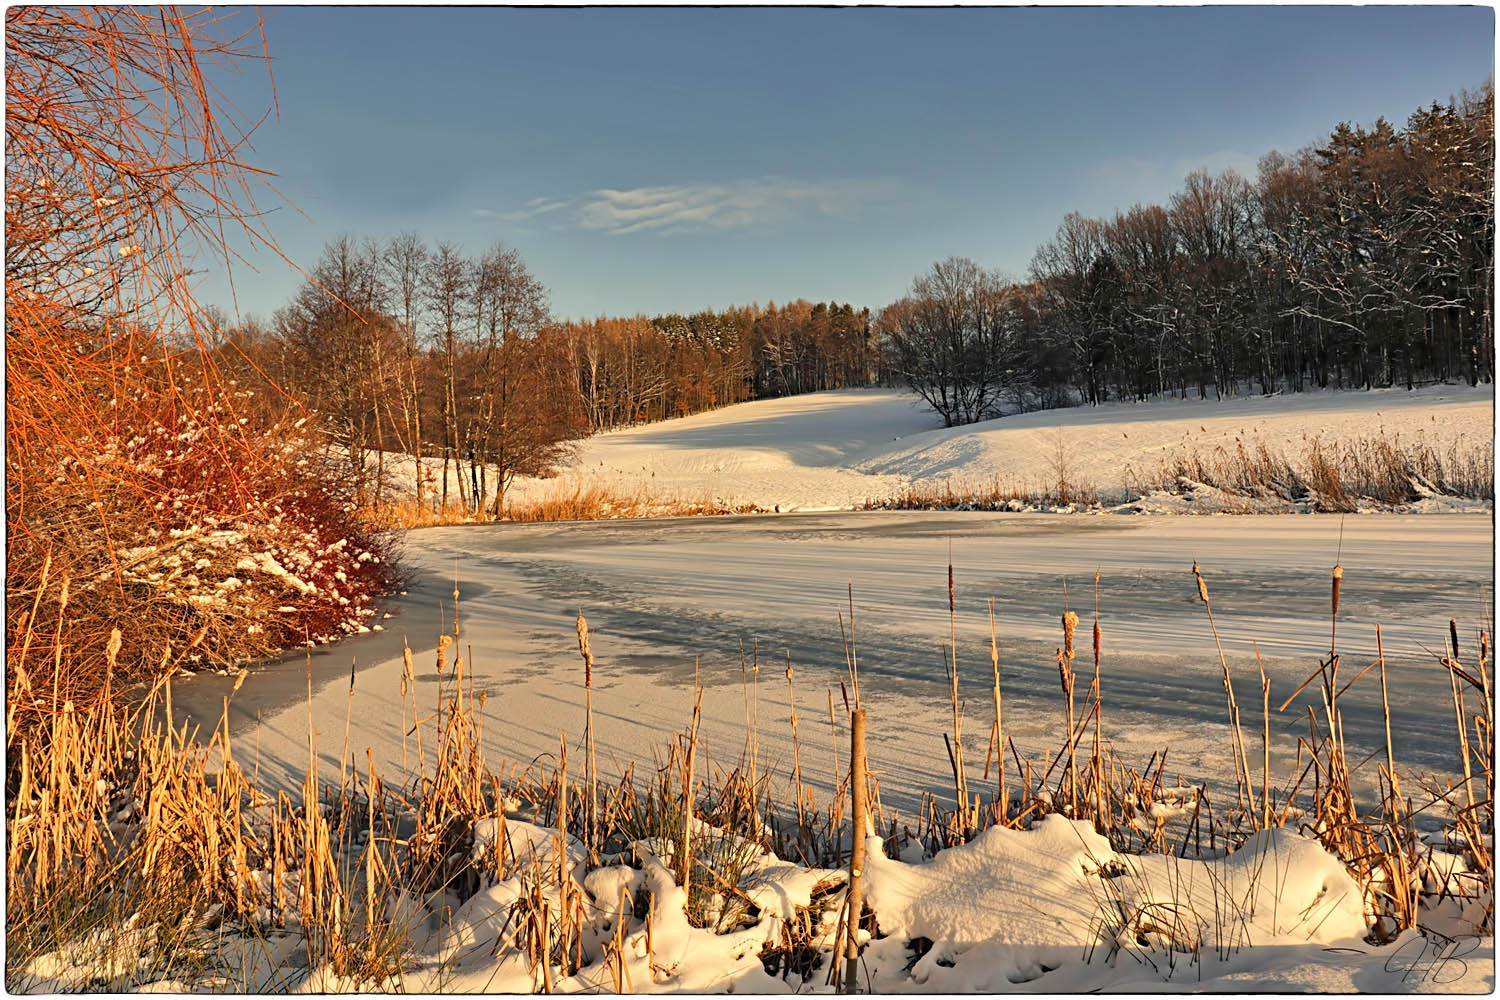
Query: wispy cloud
{"points": [[674, 208]]}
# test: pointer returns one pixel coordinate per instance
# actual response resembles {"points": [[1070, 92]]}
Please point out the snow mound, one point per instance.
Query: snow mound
{"points": [[1012, 907], [1279, 888], [1011, 887]]}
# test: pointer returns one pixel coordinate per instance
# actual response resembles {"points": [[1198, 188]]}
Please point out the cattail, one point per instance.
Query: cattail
{"points": [[1203, 586], [1070, 625], [1453, 634], [444, 641], [585, 651], [112, 649], [1338, 579]]}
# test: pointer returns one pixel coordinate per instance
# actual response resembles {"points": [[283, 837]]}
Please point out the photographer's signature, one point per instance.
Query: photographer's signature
{"points": [[1432, 960]]}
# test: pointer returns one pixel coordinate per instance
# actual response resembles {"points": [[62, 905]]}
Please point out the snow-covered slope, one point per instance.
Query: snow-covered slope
{"points": [[841, 449], [800, 452]]}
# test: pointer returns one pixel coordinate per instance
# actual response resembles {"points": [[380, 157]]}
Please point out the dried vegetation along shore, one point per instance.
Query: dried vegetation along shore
{"points": [[1365, 473], [139, 854]]}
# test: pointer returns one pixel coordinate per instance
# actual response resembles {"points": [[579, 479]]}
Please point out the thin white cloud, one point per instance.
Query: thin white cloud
{"points": [[740, 204]]}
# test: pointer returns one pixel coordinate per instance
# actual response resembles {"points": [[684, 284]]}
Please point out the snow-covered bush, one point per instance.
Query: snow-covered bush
{"points": [[203, 521]]}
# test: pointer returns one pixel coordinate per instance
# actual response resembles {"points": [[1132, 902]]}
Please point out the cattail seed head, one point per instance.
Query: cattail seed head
{"points": [[1070, 625], [1338, 579], [1096, 642], [112, 648], [1453, 635], [585, 651], [1202, 585]]}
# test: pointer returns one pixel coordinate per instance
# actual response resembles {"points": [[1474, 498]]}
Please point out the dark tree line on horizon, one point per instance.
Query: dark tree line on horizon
{"points": [[1366, 260]]}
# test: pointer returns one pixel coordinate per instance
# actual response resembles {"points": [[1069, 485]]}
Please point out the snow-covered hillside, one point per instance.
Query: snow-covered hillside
{"points": [[838, 450]]}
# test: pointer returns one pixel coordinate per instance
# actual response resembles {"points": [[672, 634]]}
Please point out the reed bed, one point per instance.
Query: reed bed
{"points": [[139, 853], [578, 500], [1336, 477], [1250, 477]]}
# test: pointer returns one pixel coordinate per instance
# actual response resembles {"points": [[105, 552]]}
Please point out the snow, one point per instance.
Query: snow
{"points": [[1052, 907], [1031, 891], [1012, 907], [660, 595], [839, 450]]}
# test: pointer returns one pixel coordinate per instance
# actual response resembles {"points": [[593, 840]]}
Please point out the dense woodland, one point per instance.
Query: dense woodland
{"points": [[1365, 260]]}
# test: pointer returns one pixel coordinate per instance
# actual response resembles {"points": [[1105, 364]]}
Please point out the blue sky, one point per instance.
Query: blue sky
{"points": [[652, 160]]}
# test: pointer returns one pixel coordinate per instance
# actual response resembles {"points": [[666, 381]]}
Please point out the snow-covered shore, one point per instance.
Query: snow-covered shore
{"points": [[839, 450], [1052, 908]]}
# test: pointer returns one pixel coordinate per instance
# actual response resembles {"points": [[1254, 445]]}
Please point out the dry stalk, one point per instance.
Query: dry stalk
{"points": [[960, 776], [586, 651], [1001, 800], [860, 819], [1241, 764]]}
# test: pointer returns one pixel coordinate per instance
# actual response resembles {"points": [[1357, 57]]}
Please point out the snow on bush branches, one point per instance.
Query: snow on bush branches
{"points": [[193, 514]]}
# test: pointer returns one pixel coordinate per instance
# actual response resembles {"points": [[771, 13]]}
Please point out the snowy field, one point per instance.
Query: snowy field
{"points": [[838, 450]]}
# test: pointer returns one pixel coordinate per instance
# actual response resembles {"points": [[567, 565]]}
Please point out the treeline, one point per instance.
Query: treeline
{"points": [[640, 369], [402, 347], [1367, 260]]}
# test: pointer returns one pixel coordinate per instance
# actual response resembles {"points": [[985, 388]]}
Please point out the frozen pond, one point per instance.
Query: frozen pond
{"points": [[661, 596]]}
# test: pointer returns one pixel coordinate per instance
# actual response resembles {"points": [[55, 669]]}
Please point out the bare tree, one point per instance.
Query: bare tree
{"points": [[402, 264], [953, 339], [446, 289], [510, 307], [340, 348]]}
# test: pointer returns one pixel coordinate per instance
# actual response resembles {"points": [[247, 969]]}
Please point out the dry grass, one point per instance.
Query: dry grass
{"points": [[1338, 477], [1325, 477], [995, 495], [130, 854], [573, 500]]}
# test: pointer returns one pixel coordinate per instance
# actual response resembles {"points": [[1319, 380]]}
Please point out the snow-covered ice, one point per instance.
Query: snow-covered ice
{"points": [[663, 595]]}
